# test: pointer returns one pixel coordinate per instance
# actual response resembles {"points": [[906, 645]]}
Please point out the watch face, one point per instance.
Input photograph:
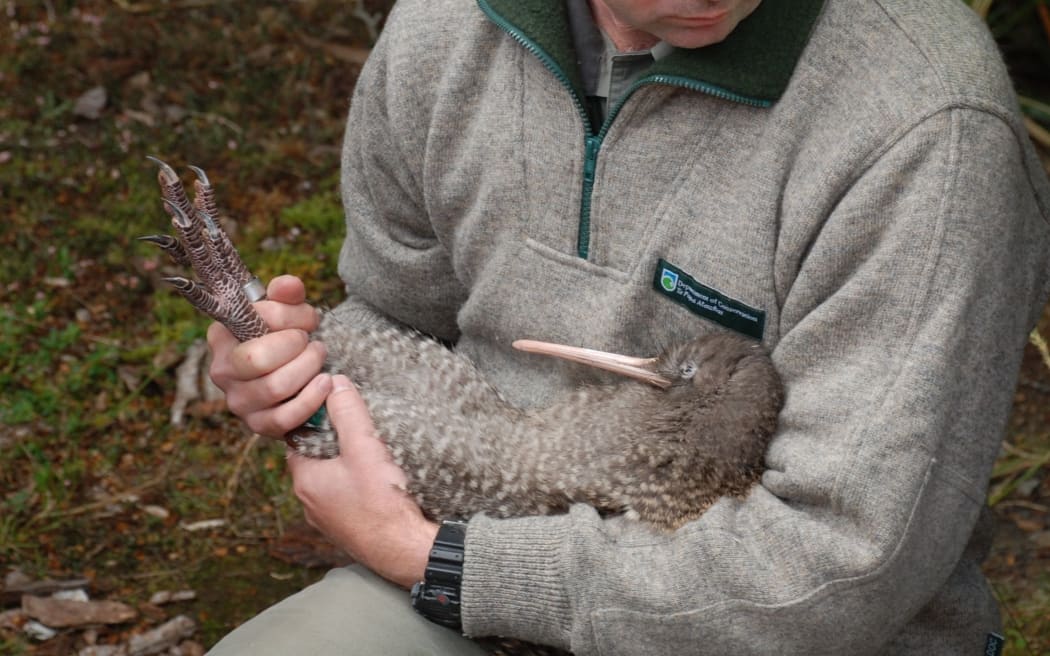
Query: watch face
{"points": [[437, 603]]}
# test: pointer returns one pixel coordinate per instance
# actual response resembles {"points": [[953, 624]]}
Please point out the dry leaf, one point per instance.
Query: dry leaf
{"points": [[60, 613], [90, 103], [38, 631], [202, 525], [168, 597], [13, 619], [163, 637]]}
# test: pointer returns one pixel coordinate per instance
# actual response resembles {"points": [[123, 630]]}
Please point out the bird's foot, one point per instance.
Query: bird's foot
{"points": [[225, 289]]}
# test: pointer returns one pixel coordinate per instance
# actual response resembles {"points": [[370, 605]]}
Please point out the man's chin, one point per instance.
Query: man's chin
{"points": [[698, 37]]}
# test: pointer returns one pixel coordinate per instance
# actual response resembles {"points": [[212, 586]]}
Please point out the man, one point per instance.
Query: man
{"points": [[848, 181]]}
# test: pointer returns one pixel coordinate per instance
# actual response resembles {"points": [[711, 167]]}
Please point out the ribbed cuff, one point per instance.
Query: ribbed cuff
{"points": [[514, 579]]}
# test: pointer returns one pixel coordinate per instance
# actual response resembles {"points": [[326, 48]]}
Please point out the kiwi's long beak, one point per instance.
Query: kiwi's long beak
{"points": [[637, 368]]}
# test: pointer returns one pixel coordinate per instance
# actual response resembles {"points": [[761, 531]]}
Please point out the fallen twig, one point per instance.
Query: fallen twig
{"points": [[347, 54], [232, 481], [158, 640], [164, 636], [120, 497], [1026, 469], [371, 20], [192, 382], [1028, 505], [147, 7], [13, 593]]}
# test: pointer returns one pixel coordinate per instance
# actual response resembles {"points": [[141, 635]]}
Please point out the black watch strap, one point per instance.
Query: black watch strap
{"points": [[437, 596]]}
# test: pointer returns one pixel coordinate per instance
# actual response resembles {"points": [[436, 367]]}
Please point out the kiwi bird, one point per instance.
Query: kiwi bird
{"points": [[661, 450]]}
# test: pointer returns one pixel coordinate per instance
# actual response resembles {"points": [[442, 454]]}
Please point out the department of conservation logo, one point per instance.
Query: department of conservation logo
{"points": [[669, 280], [707, 302]]}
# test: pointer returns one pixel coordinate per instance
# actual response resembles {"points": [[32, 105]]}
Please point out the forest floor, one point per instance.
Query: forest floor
{"points": [[97, 483]]}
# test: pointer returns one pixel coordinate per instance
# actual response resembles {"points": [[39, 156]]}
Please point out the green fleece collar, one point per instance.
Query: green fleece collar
{"points": [[755, 62]]}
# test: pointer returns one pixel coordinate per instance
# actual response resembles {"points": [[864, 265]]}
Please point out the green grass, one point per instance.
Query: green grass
{"points": [[90, 336]]}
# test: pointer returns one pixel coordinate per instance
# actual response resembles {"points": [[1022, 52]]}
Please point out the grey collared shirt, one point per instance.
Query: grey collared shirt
{"points": [[607, 73]]}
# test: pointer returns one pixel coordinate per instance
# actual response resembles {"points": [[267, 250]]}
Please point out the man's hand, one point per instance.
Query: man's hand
{"points": [[358, 499], [274, 383]]}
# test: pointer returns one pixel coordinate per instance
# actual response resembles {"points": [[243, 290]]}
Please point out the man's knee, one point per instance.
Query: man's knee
{"points": [[349, 611]]}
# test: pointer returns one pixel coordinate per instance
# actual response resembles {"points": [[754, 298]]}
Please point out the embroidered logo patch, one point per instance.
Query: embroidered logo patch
{"points": [[706, 302], [668, 279]]}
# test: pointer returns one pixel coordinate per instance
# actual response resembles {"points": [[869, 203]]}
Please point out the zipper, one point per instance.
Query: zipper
{"points": [[593, 142], [590, 162]]}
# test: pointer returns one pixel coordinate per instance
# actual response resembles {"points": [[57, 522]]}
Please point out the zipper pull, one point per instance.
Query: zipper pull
{"points": [[590, 160]]}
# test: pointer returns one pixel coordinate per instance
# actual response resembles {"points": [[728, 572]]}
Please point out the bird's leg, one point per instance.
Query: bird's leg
{"points": [[225, 289]]}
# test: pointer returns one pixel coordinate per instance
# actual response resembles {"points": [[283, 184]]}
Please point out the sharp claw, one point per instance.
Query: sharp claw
{"points": [[171, 246], [185, 221], [177, 214], [205, 198], [179, 283], [164, 241], [209, 223], [201, 175], [166, 174], [198, 296]]}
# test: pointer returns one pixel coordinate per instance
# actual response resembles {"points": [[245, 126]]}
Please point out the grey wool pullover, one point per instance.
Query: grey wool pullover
{"points": [[848, 180]]}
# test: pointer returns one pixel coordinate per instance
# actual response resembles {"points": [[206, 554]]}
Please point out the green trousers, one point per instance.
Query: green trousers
{"points": [[349, 611]]}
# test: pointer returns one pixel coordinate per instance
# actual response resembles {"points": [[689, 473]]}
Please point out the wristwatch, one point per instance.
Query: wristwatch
{"points": [[437, 596]]}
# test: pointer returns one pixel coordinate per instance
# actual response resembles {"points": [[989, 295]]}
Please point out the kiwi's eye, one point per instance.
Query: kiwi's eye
{"points": [[687, 370]]}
